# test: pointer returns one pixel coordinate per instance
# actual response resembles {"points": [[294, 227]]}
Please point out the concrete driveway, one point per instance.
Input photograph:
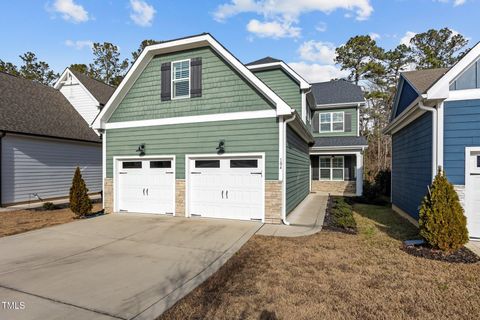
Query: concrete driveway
{"points": [[132, 266]]}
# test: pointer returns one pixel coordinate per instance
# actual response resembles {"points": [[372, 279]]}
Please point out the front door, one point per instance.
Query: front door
{"points": [[472, 192]]}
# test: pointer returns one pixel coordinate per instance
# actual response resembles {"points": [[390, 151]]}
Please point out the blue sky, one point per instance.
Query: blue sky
{"points": [[303, 33]]}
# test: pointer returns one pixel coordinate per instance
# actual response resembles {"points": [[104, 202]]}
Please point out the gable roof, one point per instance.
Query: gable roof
{"points": [[337, 92], [197, 41], [263, 61], [422, 80], [100, 90], [32, 108]]}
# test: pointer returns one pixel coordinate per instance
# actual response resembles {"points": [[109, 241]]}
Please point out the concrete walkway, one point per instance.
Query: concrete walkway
{"points": [[120, 266], [306, 219], [474, 246]]}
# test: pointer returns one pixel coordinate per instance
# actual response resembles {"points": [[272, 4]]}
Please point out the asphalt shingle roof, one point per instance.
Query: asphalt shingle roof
{"points": [[263, 61], [423, 80], [339, 141], [32, 108], [101, 91], [337, 91]]}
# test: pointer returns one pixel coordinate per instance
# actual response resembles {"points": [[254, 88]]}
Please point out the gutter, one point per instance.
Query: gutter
{"points": [[2, 134], [284, 168], [434, 135]]}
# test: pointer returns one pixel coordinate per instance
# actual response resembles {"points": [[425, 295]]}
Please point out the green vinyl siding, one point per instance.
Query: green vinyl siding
{"points": [[223, 90], [284, 86], [241, 136], [298, 170], [353, 132]]}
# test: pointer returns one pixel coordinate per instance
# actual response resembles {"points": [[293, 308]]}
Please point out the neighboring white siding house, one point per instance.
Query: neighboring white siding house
{"points": [[81, 99], [34, 167]]}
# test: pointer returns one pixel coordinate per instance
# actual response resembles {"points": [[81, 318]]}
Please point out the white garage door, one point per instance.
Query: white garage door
{"points": [[472, 193], [146, 186], [229, 188]]}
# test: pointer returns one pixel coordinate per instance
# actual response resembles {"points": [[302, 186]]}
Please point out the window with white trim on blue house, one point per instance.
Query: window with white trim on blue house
{"points": [[469, 79]]}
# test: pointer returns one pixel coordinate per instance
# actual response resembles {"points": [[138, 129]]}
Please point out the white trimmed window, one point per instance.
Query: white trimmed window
{"points": [[332, 121], [181, 79], [332, 168]]}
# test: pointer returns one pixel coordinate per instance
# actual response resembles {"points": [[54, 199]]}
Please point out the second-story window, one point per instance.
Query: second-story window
{"points": [[332, 121], [181, 79]]}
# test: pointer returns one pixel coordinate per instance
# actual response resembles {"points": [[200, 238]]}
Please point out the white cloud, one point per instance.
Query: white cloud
{"points": [[70, 11], [456, 3], [291, 10], [407, 37], [286, 13], [313, 72], [317, 51], [143, 13], [375, 36], [79, 44], [321, 27], [273, 29]]}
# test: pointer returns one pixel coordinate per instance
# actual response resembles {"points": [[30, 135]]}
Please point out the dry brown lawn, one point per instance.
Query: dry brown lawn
{"points": [[336, 276], [13, 222]]}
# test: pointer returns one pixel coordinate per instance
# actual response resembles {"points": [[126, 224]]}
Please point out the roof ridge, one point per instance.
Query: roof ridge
{"points": [[21, 78]]}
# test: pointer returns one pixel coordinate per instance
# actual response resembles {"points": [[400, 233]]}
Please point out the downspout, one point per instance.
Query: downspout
{"points": [[434, 135], [2, 134], [284, 168]]}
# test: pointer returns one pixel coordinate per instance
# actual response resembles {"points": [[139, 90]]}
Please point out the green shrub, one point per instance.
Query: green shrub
{"points": [[49, 206], [442, 222], [80, 203], [342, 214], [383, 180], [371, 191]]}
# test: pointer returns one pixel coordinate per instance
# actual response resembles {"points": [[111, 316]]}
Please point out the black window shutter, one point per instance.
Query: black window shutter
{"points": [[315, 165], [196, 77], [348, 122], [166, 86], [316, 121]]}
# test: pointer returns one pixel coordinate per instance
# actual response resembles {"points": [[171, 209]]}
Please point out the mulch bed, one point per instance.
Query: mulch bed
{"points": [[462, 255]]}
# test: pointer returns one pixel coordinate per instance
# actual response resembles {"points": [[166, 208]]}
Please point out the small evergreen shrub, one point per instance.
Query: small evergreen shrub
{"points": [[371, 191], [442, 222], [49, 206], [80, 203], [342, 214], [383, 180]]}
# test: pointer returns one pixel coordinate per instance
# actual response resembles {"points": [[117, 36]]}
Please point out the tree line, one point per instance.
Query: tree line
{"points": [[377, 70], [106, 66]]}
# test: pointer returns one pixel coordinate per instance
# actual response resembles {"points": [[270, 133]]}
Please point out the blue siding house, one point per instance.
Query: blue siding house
{"points": [[435, 124]]}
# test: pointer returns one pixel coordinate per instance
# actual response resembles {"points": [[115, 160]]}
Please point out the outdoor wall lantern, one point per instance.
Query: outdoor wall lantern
{"points": [[221, 147], [141, 149]]}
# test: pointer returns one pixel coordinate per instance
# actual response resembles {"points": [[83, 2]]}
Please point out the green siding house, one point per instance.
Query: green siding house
{"points": [[192, 131]]}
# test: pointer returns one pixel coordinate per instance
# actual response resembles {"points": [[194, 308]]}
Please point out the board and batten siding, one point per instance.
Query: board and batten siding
{"points": [[412, 164], [80, 100], [241, 136], [283, 85], [32, 165], [353, 128], [461, 129], [297, 170], [223, 91]]}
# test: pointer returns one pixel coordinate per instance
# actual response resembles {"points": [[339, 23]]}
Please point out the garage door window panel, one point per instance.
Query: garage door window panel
{"points": [[132, 165], [243, 163], [207, 163], [164, 164]]}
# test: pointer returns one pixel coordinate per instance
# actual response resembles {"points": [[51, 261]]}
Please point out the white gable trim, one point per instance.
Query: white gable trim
{"points": [[304, 85], [61, 81], [282, 107], [441, 89]]}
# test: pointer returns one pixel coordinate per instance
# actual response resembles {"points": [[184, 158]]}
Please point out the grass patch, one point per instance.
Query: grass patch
{"points": [[333, 275]]}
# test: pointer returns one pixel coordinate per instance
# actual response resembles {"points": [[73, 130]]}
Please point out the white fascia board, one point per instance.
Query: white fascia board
{"points": [[340, 105], [193, 119], [304, 85], [440, 89], [469, 94], [359, 147], [282, 107], [404, 118], [60, 83]]}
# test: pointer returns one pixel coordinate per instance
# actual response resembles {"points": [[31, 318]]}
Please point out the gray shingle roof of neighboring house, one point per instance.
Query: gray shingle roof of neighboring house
{"points": [[263, 61], [423, 80], [337, 91], [339, 141], [33, 108], [101, 91]]}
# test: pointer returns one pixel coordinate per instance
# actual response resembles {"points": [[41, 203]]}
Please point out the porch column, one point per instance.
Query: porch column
{"points": [[359, 157]]}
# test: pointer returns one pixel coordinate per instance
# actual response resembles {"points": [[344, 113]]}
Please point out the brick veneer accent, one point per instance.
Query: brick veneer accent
{"points": [[108, 195], [337, 188], [180, 198], [273, 201]]}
